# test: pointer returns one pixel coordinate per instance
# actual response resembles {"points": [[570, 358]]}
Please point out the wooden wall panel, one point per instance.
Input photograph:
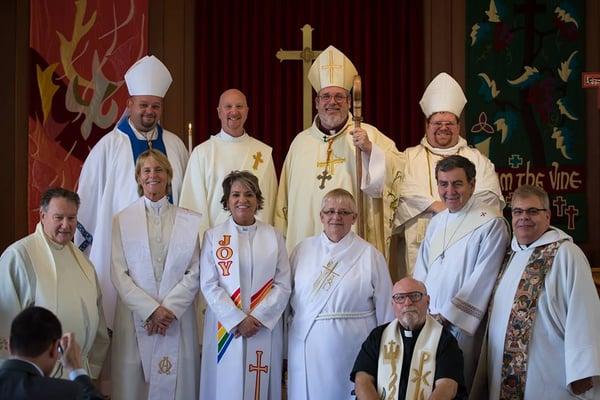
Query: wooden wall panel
{"points": [[14, 22], [171, 38]]}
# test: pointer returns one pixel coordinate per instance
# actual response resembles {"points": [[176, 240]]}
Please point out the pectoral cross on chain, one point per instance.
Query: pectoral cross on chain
{"points": [[328, 164], [258, 368], [257, 160]]}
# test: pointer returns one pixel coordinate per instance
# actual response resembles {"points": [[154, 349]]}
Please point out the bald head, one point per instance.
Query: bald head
{"points": [[410, 302], [407, 284], [232, 93], [233, 111]]}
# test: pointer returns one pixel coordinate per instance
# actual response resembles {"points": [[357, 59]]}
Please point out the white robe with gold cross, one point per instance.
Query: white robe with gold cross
{"points": [[302, 186], [211, 161], [325, 335], [38, 272]]}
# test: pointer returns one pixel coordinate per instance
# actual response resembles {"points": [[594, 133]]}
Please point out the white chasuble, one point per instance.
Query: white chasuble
{"points": [[211, 161], [241, 276], [422, 364], [159, 354], [317, 163]]}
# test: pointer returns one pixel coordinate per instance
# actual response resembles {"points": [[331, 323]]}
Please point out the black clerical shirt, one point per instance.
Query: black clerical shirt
{"points": [[449, 360]]}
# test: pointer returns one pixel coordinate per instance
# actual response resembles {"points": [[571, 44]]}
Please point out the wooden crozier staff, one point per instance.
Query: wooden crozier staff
{"points": [[357, 112]]}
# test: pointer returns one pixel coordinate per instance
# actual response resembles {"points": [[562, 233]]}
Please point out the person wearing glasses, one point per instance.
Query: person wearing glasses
{"points": [[542, 340], [460, 256], [36, 345], [340, 291], [397, 360], [322, 158], [442, 103]]}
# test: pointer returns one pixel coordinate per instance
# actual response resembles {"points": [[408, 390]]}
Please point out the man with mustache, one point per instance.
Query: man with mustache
{"points": [[322, 158], [45, 269], [542, 340], [405, 367], [107, 182], [460, 256], [442, 103]]}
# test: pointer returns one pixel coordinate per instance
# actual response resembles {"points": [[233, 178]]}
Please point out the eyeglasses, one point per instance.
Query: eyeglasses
{"points": [[338, 97], [341, 213], [532, 211], [446, 124], [400, 298]]}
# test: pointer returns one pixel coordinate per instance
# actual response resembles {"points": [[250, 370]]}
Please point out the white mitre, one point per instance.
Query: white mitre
{"points": [[148, 77], [443, 94], [332, 68]]}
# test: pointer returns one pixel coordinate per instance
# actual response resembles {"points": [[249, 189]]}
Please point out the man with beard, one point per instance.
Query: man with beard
{"points": [[403, 367], [442, 104], [107, 182], [322, 158]]}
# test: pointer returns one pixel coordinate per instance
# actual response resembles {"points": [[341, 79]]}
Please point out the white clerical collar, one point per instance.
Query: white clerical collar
{"points": [[244, 228], [552, 235], [29, 362], [328, 134], [464, 210], [147, 136], [444, 152], [156, 206], [228, 138]]}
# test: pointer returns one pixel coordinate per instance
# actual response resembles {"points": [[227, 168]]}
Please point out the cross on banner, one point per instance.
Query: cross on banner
{"points": [[258, 368], [307, 55]]}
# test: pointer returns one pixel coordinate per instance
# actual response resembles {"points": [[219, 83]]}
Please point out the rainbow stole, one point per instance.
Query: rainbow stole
{"points": [[233, 377]]}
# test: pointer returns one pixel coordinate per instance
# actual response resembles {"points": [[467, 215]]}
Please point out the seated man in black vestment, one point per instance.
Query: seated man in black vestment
{"points": [[412, 355]]}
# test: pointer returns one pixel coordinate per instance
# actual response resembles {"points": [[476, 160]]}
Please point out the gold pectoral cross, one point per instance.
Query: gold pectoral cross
{"points": [[257, 160], [420, 377], [328, 164]]}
